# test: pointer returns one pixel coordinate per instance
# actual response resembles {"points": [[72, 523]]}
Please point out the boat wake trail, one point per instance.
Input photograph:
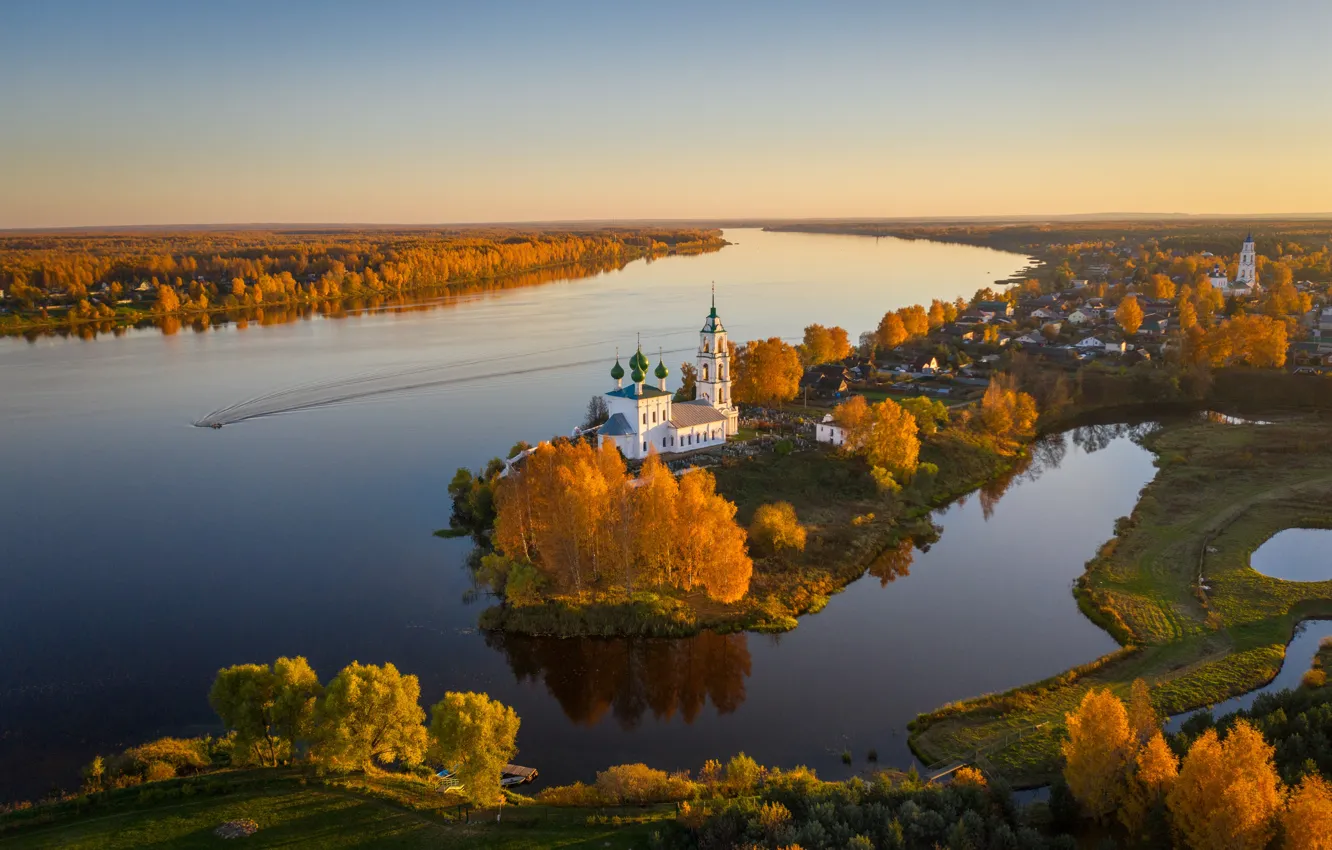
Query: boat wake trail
{"points": [[381, 385]]}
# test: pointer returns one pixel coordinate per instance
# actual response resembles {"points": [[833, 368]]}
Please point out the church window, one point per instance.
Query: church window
{"points": [[645, 445], [654, 417], [663, 442], [644, 418], [706, 349], [705, 371]]}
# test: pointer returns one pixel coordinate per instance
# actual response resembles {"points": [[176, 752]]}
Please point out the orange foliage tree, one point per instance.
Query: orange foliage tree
{"points": [[885, 433], [1005, 412], [575, 514], [824, 345], [1129, 315], [1307, 820], [1259, 341], [1227, 794], [892, 332], [1098, 751], [766, 372]]}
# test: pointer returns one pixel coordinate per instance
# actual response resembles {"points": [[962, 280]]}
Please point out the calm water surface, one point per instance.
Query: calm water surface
{"points": [[1296, 554], [141, 553]]}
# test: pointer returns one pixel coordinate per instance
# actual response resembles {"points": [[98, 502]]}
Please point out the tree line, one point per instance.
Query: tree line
{"points": [[257, 267], [1210, 788]]}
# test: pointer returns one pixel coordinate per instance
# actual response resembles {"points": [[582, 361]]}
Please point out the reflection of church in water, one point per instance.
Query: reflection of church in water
{"points": [[589, 677], [644, 418]]}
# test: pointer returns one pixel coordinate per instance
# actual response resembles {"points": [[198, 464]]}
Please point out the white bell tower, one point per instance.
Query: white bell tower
{"points": [[1247, 273], [714, 361]]}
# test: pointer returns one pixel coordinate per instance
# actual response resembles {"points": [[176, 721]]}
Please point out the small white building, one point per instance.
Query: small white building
{"points": [[645, 419], [1081, 317], [829, 432]]}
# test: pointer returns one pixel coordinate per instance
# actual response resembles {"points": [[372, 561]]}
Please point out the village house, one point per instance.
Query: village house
{"points": [[827, 380], [1081, 316], [829, 432]]}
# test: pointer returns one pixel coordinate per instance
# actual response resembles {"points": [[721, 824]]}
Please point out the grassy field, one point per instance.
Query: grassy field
{"points": [[295, 813], [1221, 491]]}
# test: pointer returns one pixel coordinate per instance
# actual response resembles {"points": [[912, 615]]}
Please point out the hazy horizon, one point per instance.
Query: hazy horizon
{"points": [[150, 114]]}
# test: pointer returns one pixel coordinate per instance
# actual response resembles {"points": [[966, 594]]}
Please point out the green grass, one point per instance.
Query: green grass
{"points": [[1222, 490], [292, 814]]}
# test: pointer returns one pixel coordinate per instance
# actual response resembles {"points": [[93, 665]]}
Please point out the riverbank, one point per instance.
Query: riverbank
{"points": [[1221, 490], [69, 320], [851, 528], [293, 807]]}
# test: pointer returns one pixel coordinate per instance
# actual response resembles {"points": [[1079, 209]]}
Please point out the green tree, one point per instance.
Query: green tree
{"points": [[688, 383], [475, 736], [371, 714]]}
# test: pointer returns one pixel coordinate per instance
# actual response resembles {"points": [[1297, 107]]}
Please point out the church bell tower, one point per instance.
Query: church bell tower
{"points": [[714, 361]]}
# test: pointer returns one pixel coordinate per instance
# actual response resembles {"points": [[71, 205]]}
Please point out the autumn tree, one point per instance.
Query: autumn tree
{"points": [[1227, 794], [891, 332], [1259, 341], [1129, 315], [1188, 315], [167, 299], [775, 527], [1161, 286], [938, 314], [370, 715], [885, 433], [1005, 412], [766, 372], [824, 345], [712, 554], [475, 737], [1151, 776], [1143, 719], [1099, 748], [915, 321], [656, 523], [269, 707], [688, 390], [928, 413], [1306, 822]]}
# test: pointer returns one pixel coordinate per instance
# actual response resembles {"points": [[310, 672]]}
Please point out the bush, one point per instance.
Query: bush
{"points": [[164, 758], [1314, 679], [638, 784], [776, 527]]}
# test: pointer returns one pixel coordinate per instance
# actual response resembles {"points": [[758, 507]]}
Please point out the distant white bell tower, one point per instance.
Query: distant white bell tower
{"points": [[1247, 274], [714, 361]]}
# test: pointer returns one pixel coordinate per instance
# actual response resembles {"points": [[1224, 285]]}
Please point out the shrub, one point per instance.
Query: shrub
{"points": [[638, 784], [776, 527], [742, 774], [1314, 679], [164, 758]]}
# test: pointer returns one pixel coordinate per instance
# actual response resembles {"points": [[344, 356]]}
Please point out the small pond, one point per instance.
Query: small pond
{"points": [[1296, 554], [1299, 656]]}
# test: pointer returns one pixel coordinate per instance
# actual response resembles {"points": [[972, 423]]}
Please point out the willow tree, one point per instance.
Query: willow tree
{"points": [[269, 707], [475, 737], [371, 714]]}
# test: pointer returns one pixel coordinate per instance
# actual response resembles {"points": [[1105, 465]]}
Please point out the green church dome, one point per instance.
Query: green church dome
{"points": [[617, 371], [639, 361], [637, 375], [662, 371]]}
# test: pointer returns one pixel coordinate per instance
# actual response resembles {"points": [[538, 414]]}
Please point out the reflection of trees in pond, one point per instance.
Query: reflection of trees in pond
{"points": [[1093, 438], [631, 676]]}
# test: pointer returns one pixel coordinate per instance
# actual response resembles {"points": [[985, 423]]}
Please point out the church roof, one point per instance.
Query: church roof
{"points": [[688, 413], [628, 392], [616, 426]]}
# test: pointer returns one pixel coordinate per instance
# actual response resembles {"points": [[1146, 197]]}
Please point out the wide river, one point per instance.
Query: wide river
{"points": [[141, 554]]}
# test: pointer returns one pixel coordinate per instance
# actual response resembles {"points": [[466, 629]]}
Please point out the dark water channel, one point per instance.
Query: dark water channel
{"points": [[141, 554]]}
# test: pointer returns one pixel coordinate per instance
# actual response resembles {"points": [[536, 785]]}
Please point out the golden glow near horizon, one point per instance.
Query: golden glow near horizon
{"points": [[508, 116]]}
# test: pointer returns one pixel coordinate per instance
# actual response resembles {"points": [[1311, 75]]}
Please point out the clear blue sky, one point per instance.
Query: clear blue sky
{"points": [[133, 112]]}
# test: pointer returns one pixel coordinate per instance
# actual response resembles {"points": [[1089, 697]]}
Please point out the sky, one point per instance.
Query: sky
{"points": [[439, 112]]}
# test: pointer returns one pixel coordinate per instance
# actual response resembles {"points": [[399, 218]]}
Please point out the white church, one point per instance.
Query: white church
{"points": [[1246, 276], [644, 418]]}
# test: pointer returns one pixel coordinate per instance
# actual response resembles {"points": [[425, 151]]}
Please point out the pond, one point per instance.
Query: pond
{"points": [[142, 554], [1296, 554]]}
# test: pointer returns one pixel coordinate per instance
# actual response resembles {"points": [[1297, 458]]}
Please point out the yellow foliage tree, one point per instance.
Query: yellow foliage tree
{"points": [[824, 345], [1306, 823], [915, 321], [891, 332], [1161, 286], [1259, 341], [711, 551], [766, 372], [776, 527], [1005, 412], [885, 433], [1142, 717], [1227, 795], [1153, 774], [1129, 315], [1099, 748]]}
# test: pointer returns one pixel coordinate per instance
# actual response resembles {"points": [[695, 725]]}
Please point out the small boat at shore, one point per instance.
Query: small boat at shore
{"points": [[510, 775]]}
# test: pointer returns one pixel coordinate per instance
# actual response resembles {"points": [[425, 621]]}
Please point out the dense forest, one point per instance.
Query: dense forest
{"points": [[126, 278]]}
